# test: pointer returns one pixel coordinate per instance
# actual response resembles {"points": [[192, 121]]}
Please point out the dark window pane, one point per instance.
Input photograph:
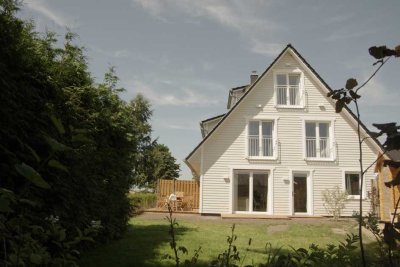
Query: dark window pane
{"points": [[253, 128], [294, 80], [323, 130], [352, 183], [310, 130], [267, 128], [281, 79]]}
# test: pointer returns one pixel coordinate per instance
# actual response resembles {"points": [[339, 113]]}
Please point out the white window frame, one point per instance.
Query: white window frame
{"points": [[275, 142], [363, 190], [332, 143], [301, 88], [253, 168]]}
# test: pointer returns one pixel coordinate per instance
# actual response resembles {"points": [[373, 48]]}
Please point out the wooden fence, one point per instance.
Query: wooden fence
{"points": [[190, 188]]}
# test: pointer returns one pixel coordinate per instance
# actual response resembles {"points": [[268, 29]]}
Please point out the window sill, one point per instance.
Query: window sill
{"points": [[261, 158], [355, 197], [320, 159], [290, 106]]}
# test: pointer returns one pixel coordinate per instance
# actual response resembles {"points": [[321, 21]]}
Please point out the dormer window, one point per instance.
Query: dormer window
{"points": [[288, 89]]}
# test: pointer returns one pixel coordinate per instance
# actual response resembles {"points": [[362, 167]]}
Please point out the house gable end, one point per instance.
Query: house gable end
{"points": [[296, 60]]}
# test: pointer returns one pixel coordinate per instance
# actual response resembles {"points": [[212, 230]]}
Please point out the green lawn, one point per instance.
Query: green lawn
{"points": [[147, 238]]}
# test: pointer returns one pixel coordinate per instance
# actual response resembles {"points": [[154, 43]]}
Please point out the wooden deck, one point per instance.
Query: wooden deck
{"points": [[252, 216], [158, 210], [262, 216], [238, 216]]}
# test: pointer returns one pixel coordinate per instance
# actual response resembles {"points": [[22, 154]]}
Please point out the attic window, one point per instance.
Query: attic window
{"points": [[287, 89]]}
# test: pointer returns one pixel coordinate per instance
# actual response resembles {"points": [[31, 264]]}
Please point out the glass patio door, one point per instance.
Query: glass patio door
{"points": [[250, 191]]}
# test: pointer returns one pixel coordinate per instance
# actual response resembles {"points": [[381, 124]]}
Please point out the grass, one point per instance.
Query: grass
{"points": [[147, 239]]}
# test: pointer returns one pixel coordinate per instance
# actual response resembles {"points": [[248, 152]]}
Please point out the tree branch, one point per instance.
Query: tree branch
{"points": [[373, 74], [372, 164]]}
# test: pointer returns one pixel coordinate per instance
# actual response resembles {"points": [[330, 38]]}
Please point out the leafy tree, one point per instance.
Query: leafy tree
{"points": [[153, 160], [156, 163], [334, 201], [165, 164]]}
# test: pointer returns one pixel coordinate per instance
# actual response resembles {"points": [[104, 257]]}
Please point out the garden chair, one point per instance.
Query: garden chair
{"points": [[188, 203], [162, 202], [179, 200]]}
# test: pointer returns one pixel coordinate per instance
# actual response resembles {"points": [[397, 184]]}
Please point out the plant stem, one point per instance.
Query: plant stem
{"points": [[372, 164], [361, 184], [373, 74], [172, 233]]}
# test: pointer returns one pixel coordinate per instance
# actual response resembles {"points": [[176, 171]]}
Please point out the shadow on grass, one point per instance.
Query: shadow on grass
{"points": [[141, 246], [138, 247]]}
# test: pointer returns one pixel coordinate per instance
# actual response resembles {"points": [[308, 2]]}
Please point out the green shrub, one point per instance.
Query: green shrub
{"points": [[141, 201]]}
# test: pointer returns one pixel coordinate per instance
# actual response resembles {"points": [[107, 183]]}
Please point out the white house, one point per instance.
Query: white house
{"points": [[279, 146]]}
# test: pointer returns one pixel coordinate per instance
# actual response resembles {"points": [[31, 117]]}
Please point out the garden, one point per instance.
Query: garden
{"points": [[148, 240]]}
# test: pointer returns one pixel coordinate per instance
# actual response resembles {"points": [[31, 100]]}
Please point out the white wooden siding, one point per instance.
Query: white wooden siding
{"points": [[226, 147]]}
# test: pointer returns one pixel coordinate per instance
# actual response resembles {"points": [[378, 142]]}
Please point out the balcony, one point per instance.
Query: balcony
{"points": [[320, 149], [265, 149], [288, 96]]}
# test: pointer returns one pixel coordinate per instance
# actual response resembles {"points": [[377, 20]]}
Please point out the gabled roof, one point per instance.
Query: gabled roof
{"points": [[233, 90], [208, 120], [213, 118], [289, 46], [243, 87]]}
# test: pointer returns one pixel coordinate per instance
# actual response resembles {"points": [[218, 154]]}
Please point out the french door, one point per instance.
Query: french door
{"points": [[250, 192]]}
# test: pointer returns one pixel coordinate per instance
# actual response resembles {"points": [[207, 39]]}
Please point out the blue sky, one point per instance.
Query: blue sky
{"points": [[185, 55]]}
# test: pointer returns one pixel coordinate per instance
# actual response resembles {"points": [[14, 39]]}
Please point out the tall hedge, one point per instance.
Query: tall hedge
{"points": [[68, 146]]}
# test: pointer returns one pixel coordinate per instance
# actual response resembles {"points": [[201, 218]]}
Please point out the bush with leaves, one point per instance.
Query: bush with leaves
{"points": [[141, 200], [334, 201]]}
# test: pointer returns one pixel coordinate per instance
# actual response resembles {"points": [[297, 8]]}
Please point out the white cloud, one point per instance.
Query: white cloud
{"points": [[42, 7], [375, 93], [188, 127], [237, 16], [179, 97], [264, 48], [345, 33], [154, 7]]}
